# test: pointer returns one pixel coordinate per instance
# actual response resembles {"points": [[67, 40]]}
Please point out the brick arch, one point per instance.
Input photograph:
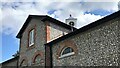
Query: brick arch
{"points": [[64, 44], [37, 53], [24, 59]]}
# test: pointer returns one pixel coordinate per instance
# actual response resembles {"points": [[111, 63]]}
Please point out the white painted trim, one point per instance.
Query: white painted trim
{"points": [[65, 55], [31, 44]]}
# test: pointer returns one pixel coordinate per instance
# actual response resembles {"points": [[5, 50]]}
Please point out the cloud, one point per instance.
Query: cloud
{"points": [[119, 5], [109, 6], [87, 19], [60, 0], [82, 19], [12, 20], [14, 17], [78, 10], [14, 14]]}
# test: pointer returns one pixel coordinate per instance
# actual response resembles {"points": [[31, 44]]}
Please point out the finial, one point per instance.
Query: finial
{"points": [[70, 15]]}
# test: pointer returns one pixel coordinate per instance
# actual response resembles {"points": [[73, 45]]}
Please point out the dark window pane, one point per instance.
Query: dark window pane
{"points": [[67, 50]]}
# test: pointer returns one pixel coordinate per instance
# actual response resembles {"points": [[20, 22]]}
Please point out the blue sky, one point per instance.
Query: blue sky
{"points": [[99, 12], [9, 46], [14, 14]]}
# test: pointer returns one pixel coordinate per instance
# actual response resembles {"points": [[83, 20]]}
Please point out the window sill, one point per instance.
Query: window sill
{"points": [[69, 54], [31, 44], [31, 47]]}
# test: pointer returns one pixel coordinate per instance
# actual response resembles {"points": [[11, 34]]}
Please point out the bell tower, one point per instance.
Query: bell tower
{"points": [[71, 21]]}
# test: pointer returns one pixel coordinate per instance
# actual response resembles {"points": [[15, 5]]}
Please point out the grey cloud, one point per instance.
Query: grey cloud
{"points": [[88, 6]]}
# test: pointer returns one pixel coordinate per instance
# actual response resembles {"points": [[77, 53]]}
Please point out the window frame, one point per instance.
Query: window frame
{"points": [[32, 38], [68, 54]]}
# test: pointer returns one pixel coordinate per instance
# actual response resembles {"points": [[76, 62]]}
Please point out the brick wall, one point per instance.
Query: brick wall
{"points": [[55, 31], [40, 40]]}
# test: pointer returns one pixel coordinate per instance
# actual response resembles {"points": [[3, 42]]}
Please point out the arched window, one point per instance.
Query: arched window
{"points": [[37, 59], [67, 51]]}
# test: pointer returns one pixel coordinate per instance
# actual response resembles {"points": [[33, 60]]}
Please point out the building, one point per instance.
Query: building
{"points": [[96, 44], [37, 31], [11, 62], [45, 41]]}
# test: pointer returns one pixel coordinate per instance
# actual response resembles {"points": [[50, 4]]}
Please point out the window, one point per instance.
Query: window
{"points": [[31, 37], [67, 51]]}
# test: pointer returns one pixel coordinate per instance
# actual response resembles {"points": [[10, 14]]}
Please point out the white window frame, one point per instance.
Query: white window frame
{"points": [[31, 37], [65, 55]]}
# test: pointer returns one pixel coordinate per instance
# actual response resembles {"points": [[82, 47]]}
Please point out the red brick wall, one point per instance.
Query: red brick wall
{"points": [[48, 31]]}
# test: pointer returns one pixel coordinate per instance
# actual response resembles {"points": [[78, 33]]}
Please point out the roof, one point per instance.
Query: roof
{"points": [[10, 60], [43, 18], [87, 27]]}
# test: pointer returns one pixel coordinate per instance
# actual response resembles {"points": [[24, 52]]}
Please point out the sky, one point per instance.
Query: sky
{"points": [[14, 13]]}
